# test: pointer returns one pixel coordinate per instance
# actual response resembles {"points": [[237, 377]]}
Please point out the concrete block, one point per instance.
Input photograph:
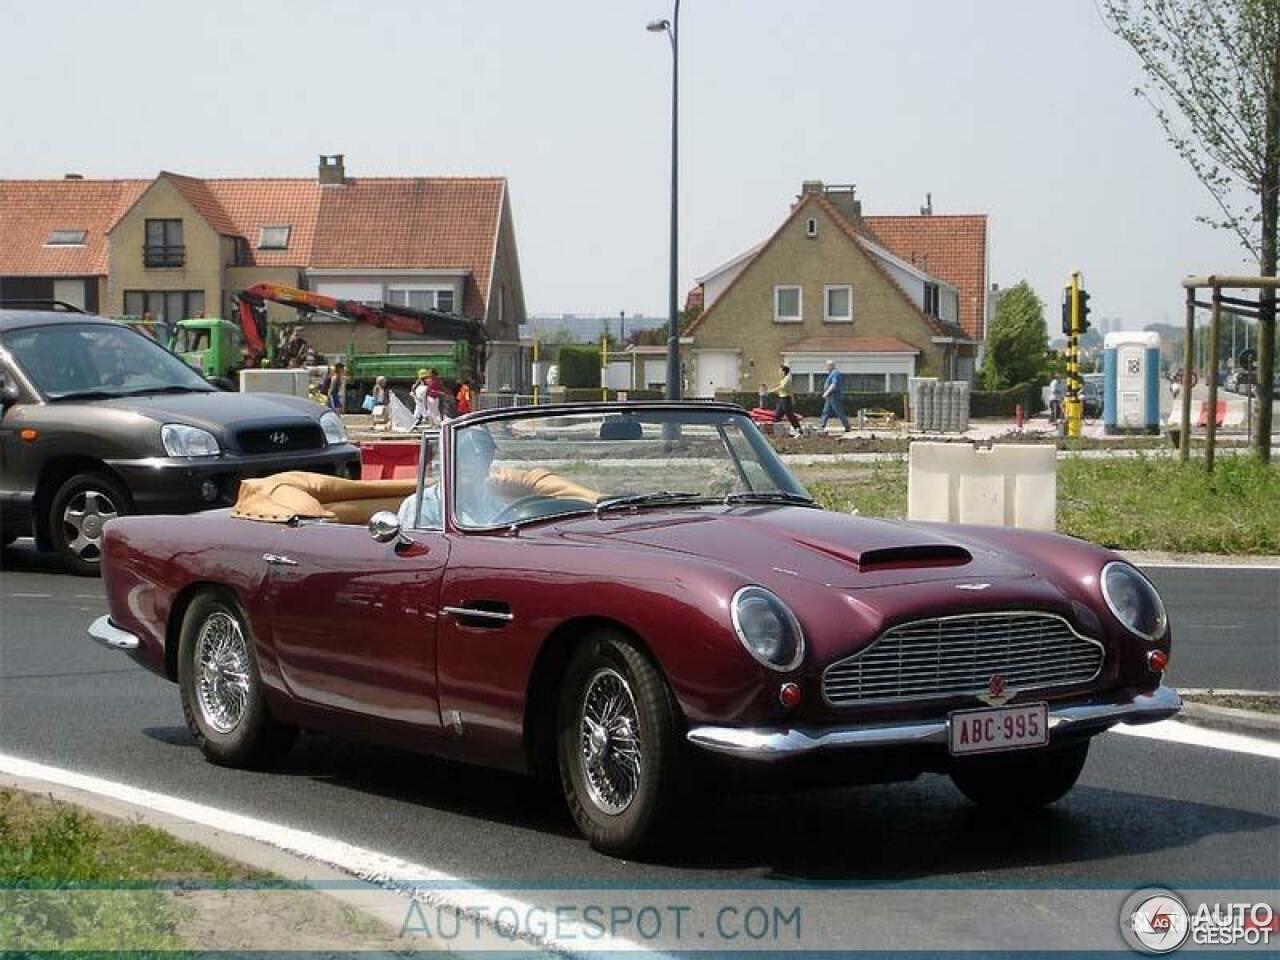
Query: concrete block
{"points": [[1012, 485]]}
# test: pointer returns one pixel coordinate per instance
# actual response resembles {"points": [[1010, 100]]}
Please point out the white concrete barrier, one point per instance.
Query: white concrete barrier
{"points": [[1011, 485], [291, 382]]}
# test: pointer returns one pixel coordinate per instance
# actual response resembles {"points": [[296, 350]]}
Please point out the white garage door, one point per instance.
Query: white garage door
{"points": [[717, 370]]}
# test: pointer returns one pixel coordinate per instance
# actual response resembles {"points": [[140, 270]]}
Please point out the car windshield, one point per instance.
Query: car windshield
{"points": [[524, 468], [70, 360]]}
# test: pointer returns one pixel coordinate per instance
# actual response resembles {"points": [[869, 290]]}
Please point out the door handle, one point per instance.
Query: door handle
{"points": [[280, 561], [492, 617]]}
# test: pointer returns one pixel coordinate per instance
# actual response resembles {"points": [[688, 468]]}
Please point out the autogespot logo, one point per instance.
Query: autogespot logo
{"points": [[1154, 921]]}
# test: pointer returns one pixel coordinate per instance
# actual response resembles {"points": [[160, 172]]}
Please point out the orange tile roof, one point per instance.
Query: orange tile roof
{"points": [[950, 247], [850, 345], [30, 210], [373, 223]]}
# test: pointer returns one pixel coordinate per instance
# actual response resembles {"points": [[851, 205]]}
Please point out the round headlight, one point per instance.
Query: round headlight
{"points": [[335, 431], [181, 440], [768, 630], [1134, 601]]}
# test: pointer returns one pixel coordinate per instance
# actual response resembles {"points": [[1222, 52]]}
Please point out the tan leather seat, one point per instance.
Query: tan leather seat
{"points": [[296, 493]]}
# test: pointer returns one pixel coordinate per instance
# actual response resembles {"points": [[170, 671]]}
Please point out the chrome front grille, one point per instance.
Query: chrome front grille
{"points": [[958, 656]]}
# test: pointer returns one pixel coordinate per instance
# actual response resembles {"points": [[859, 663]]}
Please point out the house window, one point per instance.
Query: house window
{"points": [[423, 298], [864, 382], [897, 383], [788, 304], [811, 227], [164, 247], [931, 299], [839, 304], [165, 306], [273, 238], [66, 238]]}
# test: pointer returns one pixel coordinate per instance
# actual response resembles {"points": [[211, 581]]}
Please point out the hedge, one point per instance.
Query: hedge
{"points": [[593, 395], [579, 366], [1001, 403]]}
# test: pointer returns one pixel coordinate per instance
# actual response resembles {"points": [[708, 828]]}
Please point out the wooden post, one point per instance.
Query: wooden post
{"points": [[1188, 354], [1211, 422]]}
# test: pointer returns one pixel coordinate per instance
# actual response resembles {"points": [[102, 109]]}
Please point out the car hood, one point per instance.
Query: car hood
{"points": [[817, 546], [216, 411]]}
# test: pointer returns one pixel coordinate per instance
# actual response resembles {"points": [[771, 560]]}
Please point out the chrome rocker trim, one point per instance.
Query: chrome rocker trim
{"points": [[109, 635], [769, 743]]}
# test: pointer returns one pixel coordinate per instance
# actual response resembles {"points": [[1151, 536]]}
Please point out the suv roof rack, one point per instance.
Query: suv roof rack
{"points": [[56, 306]]}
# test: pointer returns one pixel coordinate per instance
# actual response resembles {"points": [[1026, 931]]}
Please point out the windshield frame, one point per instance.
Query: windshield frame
{"points": [[40, 391], [711, 412]]}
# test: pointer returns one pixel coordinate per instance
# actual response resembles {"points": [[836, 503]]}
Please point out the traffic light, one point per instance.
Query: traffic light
{"points": [[1084, 310], [1066, 311]]}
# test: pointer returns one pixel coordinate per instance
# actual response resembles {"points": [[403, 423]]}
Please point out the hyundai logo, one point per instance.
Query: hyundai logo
{"points": [[279, 438]]}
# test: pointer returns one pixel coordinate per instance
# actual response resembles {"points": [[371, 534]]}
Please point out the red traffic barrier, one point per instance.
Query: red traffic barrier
{"points": [[389, 461], [1221, 414]]}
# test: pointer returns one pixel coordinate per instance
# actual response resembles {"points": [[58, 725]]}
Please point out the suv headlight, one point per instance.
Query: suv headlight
{"points": [[1134, 601], [335, 431], [181, 440], [767, 628]]}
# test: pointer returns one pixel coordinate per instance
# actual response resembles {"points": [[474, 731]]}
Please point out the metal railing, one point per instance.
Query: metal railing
{"points": [[164, 255]]}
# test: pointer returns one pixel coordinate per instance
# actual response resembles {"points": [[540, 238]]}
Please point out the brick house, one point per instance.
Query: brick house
{"points": [[178, 246], [884, 297]]}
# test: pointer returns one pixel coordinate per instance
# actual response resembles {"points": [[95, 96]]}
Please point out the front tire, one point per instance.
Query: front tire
{"points": [[77, 513], [618, 745], [1020, 784], [221, 687]]}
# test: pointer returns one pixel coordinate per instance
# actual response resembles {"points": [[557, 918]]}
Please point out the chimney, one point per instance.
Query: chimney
{"points": [[73, 176], [332, 169], [927, 209], [844, 197]]}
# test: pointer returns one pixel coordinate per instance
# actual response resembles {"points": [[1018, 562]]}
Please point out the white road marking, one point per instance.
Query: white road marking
{"points": [[424, 884], [1175, 731], [1208, 565], [31, 596]]}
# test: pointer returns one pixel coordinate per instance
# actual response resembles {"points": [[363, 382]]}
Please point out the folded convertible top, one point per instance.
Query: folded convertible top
{"points": [[296, 494]]}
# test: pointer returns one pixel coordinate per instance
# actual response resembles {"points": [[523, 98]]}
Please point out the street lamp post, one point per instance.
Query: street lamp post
{"points": [[672, 29]]}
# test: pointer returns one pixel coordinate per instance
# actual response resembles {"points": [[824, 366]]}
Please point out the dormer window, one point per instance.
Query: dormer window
{"points": [[274, 237], [66, 238]]}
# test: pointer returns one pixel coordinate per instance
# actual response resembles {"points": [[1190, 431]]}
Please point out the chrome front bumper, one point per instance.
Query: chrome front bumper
{"points": [[109, 635], [780, 743]]}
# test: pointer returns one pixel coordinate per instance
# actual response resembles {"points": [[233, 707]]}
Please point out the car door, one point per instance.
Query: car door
{"points": [[354, 620]]}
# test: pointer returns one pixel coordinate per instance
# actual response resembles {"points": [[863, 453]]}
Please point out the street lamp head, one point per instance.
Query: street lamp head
{"points": [[658, 26]]}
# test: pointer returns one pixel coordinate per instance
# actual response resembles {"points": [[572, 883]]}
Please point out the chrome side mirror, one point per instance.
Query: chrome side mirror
{"points": [[384, 526], [8, 392]]}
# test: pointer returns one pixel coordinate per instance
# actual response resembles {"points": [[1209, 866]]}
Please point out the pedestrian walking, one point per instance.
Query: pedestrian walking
{"points": [[419, 394], [786, 402], [833, 398], [1056, 392], [462, 398], [336, 393]]}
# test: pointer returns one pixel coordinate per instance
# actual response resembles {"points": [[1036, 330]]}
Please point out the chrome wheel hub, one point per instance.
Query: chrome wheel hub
{"points": [[82, 521], [612, 759], [222, 672]]}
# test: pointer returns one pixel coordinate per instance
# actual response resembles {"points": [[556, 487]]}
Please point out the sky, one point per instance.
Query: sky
{"points": [[1020, 109]]}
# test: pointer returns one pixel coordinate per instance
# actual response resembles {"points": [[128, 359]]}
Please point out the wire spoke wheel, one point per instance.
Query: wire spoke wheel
{"points": [[221, 672], [609, 736]]}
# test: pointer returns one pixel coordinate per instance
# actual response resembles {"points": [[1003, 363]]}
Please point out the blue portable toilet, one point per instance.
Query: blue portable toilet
{"points": [[1131, 382]]}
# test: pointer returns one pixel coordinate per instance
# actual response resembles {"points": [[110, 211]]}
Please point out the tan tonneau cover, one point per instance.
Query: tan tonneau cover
{"points": [[284, 496]]}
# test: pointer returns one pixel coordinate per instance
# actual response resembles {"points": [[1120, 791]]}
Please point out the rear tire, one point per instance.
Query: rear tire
{"points": [[77, 513], [618, 745], [1020, 784], [221, 687]]}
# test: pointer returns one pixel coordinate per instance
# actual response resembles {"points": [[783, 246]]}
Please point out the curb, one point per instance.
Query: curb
{"points": [[386, 908], [1249, 723]]}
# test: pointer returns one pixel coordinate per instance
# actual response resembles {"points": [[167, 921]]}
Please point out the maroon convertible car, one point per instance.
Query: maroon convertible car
{"points": [[628, 596]]}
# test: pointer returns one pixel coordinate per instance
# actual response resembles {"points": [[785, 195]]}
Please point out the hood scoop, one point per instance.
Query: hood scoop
{"points": [[907, 557]]}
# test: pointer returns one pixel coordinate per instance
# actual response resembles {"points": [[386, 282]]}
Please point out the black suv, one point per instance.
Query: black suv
{"points": [[98, 420]]}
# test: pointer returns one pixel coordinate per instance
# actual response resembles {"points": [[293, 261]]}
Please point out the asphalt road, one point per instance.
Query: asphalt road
{"points": [[1145, 811]]}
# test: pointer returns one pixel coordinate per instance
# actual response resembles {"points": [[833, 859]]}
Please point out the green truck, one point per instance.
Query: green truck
{"points": [[459, 362], [213, 346]]}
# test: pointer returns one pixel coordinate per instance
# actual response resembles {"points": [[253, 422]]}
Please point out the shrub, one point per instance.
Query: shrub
{"points": [[579, 366]]}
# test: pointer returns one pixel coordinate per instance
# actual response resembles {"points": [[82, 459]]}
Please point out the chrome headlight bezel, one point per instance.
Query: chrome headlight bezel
{"points": [[184, 440], [784, 615], [1148, 592], [335, 431]]}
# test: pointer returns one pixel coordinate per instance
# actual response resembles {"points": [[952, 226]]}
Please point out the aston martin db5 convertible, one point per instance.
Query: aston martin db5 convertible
{"points": [[627, 597]]}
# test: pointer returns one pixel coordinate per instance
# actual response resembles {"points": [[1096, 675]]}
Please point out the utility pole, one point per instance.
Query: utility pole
{"points": [[1075, 322]]}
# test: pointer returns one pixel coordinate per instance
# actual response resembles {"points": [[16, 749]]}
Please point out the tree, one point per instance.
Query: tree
{"points": [[1017, 342], [1212, 72]]}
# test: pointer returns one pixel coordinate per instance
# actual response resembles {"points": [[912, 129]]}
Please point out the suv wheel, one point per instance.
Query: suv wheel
{"points": [[77, 514]]}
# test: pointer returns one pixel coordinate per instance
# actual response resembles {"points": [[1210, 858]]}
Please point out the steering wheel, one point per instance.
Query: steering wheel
{"points": [[535, 505]]}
